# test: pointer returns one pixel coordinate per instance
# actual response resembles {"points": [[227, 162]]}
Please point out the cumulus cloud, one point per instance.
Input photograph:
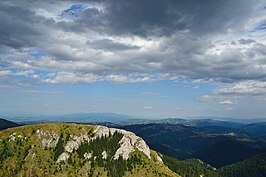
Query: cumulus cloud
{"points": [[134, 41]]}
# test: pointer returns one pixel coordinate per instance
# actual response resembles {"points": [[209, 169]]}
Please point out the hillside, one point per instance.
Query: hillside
{"points": [[225, 152], [215, 145], [190, 168], [252, 167], [4, 124], [58, 149]]}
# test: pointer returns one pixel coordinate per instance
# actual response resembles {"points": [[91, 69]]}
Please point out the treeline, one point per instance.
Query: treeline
{"points": [[188, 168], [252, 167]]}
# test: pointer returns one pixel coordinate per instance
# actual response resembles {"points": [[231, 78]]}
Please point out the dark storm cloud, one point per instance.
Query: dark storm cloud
{"points": [[20, 27], [156, 17]]}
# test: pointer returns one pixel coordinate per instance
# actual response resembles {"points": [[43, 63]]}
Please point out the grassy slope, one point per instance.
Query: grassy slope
{"points": [[26, 157]]}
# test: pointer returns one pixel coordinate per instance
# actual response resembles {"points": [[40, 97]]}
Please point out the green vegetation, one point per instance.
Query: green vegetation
{"points": [[252, 167], [190, 168], [59, 149], [34, 151]]}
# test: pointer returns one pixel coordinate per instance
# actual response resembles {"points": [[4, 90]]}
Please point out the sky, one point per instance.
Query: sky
{"points": [[152, 58]]}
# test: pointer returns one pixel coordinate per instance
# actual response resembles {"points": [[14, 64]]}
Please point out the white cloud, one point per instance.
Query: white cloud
{"points": [[148, 107], [226, 102], [126, 79], [23, 73], [205, 98], [244, 88], [68, 77], [75, 77], [4, 73]]}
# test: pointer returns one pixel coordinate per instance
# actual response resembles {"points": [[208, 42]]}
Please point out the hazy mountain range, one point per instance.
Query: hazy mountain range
{"points": [[122, 119]]}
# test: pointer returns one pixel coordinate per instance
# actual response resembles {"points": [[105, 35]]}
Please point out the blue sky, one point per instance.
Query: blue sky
{"points": [[177, 59]]}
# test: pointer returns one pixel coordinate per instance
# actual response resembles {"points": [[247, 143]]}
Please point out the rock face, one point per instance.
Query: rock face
{"points": [[75, 143], [63, 157], [49, 139], [128, 143]]}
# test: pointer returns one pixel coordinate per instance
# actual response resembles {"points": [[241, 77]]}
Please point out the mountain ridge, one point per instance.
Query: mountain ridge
{"points": [[58, 149]]}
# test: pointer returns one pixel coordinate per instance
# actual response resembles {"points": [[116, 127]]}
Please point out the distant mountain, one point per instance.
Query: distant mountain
{"points": [[252, 167], [212, 122], [4, 124], [215, 145], [77, 117], [225, 152], [94, 117], [182, 140], [122, 119], [58, 149], [232, 119], [255, 129]]}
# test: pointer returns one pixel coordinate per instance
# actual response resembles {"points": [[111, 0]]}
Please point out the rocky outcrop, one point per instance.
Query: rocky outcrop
{"points": [[63, 157], [159, 159], [49, 138], [128, 143], [75, 142], [125, 148]]}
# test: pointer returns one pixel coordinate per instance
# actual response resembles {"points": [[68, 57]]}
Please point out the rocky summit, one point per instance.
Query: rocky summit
{"points": [[58, 149]]}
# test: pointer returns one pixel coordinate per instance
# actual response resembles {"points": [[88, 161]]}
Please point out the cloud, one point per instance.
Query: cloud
{"points": [[246, 41], [148, 107], [205, 98], [72, 78], [126, 79], [4, 73], [243, 88], [107, 44], [24, 73], [226, 102], [133, 41]]}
